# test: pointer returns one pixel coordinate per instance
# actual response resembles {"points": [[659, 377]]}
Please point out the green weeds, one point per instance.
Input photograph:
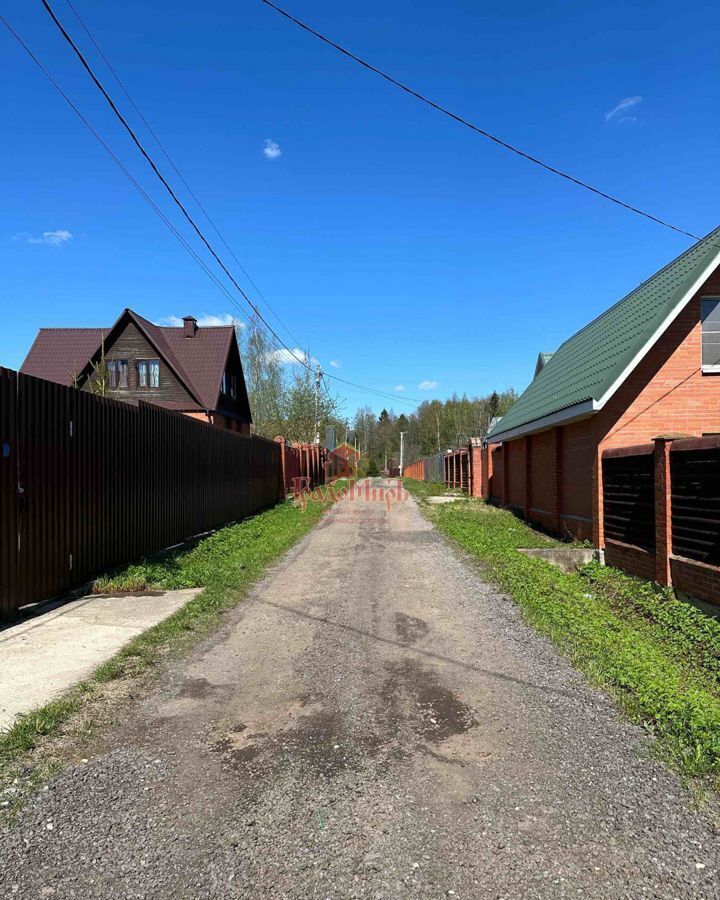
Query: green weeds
{"points": [[659, 657]]}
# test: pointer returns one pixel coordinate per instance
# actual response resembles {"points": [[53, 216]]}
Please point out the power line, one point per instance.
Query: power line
{"points": [[161, 215], [481, 131], [177, 170], [118, 161], [275, 340], [409, 400], [174, 196], [163, 180]]}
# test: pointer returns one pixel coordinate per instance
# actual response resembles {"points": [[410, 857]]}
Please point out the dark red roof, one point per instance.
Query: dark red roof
{"points": [[59, 354]]}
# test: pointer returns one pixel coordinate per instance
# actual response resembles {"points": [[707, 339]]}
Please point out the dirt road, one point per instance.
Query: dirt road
{"points": [[374, 721]]}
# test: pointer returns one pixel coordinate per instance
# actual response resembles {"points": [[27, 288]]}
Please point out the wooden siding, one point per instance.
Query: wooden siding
{"points": [[239, 405], [132, 345]]}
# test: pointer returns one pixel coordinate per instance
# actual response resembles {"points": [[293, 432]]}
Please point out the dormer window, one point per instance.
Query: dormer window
{"points": [[710, 314]]}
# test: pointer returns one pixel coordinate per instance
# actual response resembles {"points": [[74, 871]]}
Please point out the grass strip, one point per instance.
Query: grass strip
{"points": [[659, 657], [226, 564]]}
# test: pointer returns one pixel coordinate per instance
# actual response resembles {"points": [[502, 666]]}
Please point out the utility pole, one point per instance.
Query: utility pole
{"points": [[402, 447], [318, 378]]}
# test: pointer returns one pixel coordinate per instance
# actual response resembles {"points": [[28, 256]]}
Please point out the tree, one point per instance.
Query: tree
{"points": [[264, 379], [99, 378]]}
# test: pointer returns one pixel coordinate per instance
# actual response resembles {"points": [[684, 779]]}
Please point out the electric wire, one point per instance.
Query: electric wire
{"points": [[461, 120], [181, 206], [177, 170], [67, 37], [276, 341]]}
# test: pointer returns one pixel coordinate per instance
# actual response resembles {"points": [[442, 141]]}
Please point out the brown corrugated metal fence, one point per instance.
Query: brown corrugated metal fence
{"points": [[88, 483]]}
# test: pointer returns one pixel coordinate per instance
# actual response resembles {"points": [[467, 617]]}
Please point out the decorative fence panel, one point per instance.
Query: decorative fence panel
{"points": [[88, 483], [629, 498], [696, 503]]}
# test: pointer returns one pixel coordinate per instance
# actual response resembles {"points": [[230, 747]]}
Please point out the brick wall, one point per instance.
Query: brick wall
{"points": [[515, 475], [543, 474], [496, 477], [695, 578], [630, 559]]}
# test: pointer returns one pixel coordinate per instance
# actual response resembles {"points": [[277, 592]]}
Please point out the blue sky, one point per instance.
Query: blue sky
{"points": [[390, 240]]}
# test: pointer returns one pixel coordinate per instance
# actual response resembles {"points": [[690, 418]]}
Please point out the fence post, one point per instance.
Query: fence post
{"points": [[283, 464], [487, 471], [476, 468], [506, 474], [663, 507]]}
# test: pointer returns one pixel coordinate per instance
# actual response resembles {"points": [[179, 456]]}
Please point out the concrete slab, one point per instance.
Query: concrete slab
{"points": [[445, 498], [42, 657], [566, 558]]}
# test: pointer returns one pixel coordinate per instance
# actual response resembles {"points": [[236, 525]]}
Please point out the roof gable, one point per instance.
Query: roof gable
{"points": [[595, 360], [62, 354]]}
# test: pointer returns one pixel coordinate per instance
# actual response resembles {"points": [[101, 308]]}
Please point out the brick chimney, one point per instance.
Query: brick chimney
{"points": [[190, 326]]}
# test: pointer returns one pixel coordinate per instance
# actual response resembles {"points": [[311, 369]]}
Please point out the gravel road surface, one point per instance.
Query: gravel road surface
{"points": [[374, 721]]}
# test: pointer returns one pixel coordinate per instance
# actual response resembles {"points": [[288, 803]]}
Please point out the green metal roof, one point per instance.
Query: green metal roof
{"points": [[588, 363]]}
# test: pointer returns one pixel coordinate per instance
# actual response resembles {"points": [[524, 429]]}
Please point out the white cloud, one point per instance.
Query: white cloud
{"points": [[51, 238], [400, 387], [428, 385], [619, 111], [272, 149], [335, 364], [293, 358], [204, 321]]}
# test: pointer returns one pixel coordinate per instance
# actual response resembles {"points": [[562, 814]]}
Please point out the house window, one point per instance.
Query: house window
{"points": [[710, 311], [117, 373], [228, 385], [148, 373]]}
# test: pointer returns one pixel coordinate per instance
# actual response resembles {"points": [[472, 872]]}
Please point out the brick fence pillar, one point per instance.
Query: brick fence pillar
{"points": [[663, 509], [476, 468], [598, 506], [283, 464], [506, 473]]}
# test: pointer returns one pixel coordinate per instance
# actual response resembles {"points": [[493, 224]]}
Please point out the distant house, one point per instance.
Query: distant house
{"points": [[341, 462], [648, 366], [191, 369]]}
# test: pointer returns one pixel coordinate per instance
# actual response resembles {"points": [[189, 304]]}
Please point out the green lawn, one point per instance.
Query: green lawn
{"points": [[659, 657], [225, 564]]}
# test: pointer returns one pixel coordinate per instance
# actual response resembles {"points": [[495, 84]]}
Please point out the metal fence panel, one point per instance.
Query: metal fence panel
{"points": [[629, 500], [8, 490], [89, 483]]}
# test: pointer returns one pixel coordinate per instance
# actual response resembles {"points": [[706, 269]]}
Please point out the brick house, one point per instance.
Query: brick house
{"points": [[191, 369], [648, 366]]}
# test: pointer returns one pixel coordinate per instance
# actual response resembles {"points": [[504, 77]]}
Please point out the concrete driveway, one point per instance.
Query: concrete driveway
{"points": [[42, 657]]}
